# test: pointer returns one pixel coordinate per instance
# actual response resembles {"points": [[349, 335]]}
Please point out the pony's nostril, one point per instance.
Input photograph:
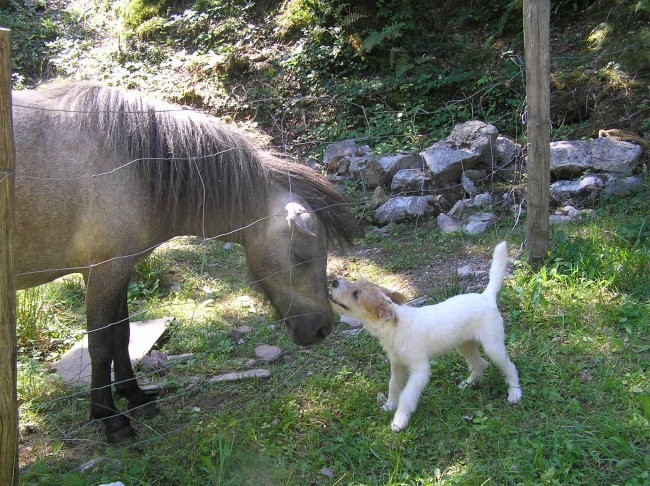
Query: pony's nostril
{"points": [[335, 283], [321, 333]]}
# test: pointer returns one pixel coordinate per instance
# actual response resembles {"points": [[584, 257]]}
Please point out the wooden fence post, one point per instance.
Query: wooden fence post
{"points": [[537, 56], [8, 397]]}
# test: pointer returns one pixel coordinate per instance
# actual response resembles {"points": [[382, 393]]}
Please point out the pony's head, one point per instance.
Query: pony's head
{"points": [[287, 254]]}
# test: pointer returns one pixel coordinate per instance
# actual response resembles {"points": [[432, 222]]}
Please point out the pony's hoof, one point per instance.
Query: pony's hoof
{"points": [[146, 410], [118, 429], [142, 405]]}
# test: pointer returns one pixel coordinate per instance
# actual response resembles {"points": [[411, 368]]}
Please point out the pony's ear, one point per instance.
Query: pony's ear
{"points": [[299, 219]]}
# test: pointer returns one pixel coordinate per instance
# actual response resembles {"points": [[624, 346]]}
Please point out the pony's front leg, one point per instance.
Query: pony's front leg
{"points": [[106, 310], [139, 403]]}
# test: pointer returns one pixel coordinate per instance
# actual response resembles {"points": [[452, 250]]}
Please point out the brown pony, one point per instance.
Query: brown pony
{"points": [[104, 176]]}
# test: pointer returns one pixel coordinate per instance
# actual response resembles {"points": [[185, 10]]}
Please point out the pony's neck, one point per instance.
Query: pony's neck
{"points": [[210, 221]]}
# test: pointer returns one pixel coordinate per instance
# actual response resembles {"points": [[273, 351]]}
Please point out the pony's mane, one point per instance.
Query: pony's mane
{"points": [[187, 156]]}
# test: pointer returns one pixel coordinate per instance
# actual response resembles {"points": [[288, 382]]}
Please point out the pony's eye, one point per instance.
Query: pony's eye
{"points": [[355, 294]]}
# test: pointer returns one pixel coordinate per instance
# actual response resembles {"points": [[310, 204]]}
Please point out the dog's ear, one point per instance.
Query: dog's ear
{"points": [[397, 297], [384, 312]]}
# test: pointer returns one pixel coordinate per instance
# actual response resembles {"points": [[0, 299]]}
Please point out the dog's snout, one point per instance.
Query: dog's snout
{"points": [[335, 283]]}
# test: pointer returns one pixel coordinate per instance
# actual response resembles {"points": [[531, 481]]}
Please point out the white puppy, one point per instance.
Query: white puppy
{"points": [[412, 336]]}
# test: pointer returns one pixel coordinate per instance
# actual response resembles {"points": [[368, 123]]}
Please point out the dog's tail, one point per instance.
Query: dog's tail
{"points": [[497, 270]]}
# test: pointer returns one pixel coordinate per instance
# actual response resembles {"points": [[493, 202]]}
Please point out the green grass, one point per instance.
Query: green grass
{"points": [[577, 330]]}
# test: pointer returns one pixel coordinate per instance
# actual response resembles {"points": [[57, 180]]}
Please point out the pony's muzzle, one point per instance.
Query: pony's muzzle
{"points": [[310, 329]]}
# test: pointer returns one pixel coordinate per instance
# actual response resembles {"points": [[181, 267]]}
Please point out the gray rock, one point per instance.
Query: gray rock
{"points": [[403, 208], [395, 162], [586, 188], [379, 197], [479, 137], [470, 178], [507, 154], [616, 185], [336, 151], [368, 170], [570, 159], [481, 200], [468, 185], [410, 180], [447, 224], [465, 271], [459, 207], [615, 156], [268, 353], [240, 375], [241, 331], [447, 162], [559, 218], [154, 361], [327, 472], [480, 223]]}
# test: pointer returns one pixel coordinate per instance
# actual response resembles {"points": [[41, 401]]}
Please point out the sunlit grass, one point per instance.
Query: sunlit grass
{"points": [[576, 328]]}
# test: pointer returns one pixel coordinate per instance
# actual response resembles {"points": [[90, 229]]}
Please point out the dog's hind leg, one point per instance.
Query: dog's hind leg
{"points": [[398, 377], [496, 351], [408, 399], [475, 361]]}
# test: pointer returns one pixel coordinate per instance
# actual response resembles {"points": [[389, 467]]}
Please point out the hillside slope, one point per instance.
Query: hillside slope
{"points": [[309, 72]]}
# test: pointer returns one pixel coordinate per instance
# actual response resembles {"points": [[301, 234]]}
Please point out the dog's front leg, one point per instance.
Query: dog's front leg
{"points": [[408, 399], [398, 376]]}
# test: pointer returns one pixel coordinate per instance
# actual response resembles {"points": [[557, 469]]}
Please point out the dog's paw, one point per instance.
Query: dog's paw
{"points": [[388, 407], [514, 395], [464, 384], [399, 423]]}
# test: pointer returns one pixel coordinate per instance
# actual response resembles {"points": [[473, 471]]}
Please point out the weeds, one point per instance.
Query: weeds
{"points": [[577, 330]]}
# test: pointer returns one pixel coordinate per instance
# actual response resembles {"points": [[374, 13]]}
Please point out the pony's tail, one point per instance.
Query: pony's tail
{"points": [[497, 270]]}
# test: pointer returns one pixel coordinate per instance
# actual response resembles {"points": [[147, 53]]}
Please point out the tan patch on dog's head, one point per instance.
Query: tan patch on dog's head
{"points": [[365, 301]]}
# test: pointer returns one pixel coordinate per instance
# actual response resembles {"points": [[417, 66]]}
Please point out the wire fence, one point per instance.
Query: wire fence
{"points": [[69, 435]]}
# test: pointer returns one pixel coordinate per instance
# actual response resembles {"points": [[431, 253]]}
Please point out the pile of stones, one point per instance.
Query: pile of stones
{"points": [[444, 180]]}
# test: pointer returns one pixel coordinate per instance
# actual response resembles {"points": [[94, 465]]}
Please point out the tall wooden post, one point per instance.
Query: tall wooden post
{"points": [[8, 397], [537, 56]]}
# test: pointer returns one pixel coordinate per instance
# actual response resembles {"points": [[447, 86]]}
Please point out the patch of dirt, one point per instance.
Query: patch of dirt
{"points": [[437, 276]]}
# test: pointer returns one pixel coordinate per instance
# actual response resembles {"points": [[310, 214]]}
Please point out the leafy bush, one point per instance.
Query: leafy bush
{"points": [[31, 31], [139, 11]]}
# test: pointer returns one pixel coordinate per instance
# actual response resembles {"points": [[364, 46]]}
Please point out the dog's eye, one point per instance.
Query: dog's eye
{"points": [[355, 294]]}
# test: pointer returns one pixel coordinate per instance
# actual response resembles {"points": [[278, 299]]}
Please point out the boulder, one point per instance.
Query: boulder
{"points": [[459, 207], [403, 208], [340, 156], [470, 178], [396, 162], [479, 137], [268, 353], [616, 185], [379, 197], [570, 159], [507, 153], [409, 181], [368, 170], [447, 162], [447, 224], [480, 223], [470, 145], [587, 188], [481, 200]]}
